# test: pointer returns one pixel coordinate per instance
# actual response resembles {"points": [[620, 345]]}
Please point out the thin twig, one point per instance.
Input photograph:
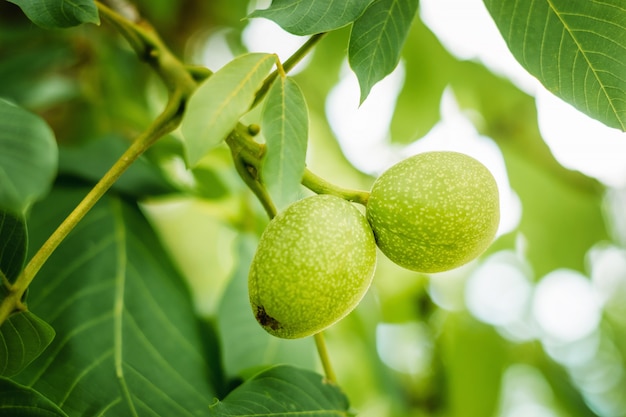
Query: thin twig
{"points": [[320, 343], [319, 185], [288, 65]]}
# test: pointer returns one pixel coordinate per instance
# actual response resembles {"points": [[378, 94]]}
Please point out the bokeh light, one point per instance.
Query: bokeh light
{"points": [[525, 393], [565, 306], [405, 347], [498, 292]]}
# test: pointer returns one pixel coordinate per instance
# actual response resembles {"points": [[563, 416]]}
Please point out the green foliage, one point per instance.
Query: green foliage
{"points": [[23, 336], [123, 321], [377, 38], [59, 14], [274, 392], [21, 401], [479, 363], [22, 339], [122, 314], [29, 164], [13, 246], [545, 225], [308, 17], [429, 70], [218, 104], [286, 129], [576, 49]]}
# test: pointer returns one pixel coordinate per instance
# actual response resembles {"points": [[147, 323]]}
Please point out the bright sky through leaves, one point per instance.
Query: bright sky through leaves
{"points": [[597, 154]]}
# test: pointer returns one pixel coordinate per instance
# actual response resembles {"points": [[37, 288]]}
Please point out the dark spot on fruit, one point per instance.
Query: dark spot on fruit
{"points": [[266, 320]]}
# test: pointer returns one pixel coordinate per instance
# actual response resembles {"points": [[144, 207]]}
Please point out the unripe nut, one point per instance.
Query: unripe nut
{"points": [[434, 211], [314, 263]]}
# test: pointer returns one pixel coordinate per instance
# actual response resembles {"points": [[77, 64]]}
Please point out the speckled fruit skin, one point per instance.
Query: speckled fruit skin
{"points": [[434, 211], [314, 263]]}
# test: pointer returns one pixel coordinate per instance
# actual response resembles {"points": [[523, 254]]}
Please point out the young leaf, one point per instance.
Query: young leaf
{"points": [[216, 106], [28, 162], [577, 49], [13, 243], [128, 342], [377, 39], [19, 401], [285, 128], [284, 391], [23, 337], [236, 322], [59, 14], [307, 17]]}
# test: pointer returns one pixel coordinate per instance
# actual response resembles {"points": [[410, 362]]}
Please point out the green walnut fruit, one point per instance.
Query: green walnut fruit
{"points": [[313, 264], [434, 211]]}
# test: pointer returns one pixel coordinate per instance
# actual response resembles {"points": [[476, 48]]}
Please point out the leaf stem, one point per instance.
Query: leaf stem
{"points": [[320, 343], [280, 68], [5, 281]]}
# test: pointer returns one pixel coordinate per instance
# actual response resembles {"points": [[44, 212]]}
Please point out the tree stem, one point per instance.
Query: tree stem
{"points": [[247, 156], [320, 343]]}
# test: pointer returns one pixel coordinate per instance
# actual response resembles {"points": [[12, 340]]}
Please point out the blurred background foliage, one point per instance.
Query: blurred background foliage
{"points": [[536, 327]]}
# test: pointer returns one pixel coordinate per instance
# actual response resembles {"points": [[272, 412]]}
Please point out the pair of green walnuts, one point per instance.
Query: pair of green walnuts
{"points": [[315, 261]]}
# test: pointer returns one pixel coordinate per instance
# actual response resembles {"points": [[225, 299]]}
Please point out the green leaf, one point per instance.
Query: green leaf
{"points": [[307, 17], [59, 13], [236, 322], [52, 14], [377, 39], [26, 72], [479, 364], [216, 106], [284, 391], [577, 49], [285, 128], [28, 161], [23, 337], [128, 342], [424, 84], [162, 172], [13, 244], [208, 184], [19, 401]]}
